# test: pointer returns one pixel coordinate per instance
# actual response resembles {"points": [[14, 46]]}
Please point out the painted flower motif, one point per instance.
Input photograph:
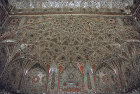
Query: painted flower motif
{"points": [[35, 79], [14, 21], [30, 21], [106, 78]]}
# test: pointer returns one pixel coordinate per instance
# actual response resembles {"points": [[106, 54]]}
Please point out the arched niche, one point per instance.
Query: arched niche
{"points": [[106, 80], [13, 74], [35, 79], [71, 79], [130, 75]]}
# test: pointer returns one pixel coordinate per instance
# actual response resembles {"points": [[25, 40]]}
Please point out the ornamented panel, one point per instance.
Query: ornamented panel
{"points": [[59, 6], [35, 79], [71, 80], [52, 86], [90, 83], [58, 47], [12, 76], [105, 80]]}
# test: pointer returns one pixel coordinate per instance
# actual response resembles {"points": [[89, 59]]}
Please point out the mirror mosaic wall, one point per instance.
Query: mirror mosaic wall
{"points": [[74, 6]]}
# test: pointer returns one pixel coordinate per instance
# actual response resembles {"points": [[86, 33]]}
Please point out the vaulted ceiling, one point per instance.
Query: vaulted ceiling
{"points": [[71, 51]]}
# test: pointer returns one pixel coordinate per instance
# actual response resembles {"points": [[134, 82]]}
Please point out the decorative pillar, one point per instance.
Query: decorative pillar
{"points": [[82, 73], [93, 69], [47, 68], [60, 70]]}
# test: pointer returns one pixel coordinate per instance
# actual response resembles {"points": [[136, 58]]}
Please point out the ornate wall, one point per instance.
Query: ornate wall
{"points": [[80, 6], [70, 53]]}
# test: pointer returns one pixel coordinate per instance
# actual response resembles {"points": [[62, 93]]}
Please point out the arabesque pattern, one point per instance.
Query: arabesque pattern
{"points": [[70, 53]]}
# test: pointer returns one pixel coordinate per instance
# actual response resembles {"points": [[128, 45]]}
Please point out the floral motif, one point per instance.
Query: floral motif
{"points": [[55, 51], [35, 79]]}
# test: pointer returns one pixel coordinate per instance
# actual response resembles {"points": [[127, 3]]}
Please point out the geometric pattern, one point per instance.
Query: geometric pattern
{"points": [[70, 53], [80, 6]]}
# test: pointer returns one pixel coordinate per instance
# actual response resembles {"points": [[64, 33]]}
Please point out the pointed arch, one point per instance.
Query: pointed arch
{"points": [[35, 78], [106, 79]]}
